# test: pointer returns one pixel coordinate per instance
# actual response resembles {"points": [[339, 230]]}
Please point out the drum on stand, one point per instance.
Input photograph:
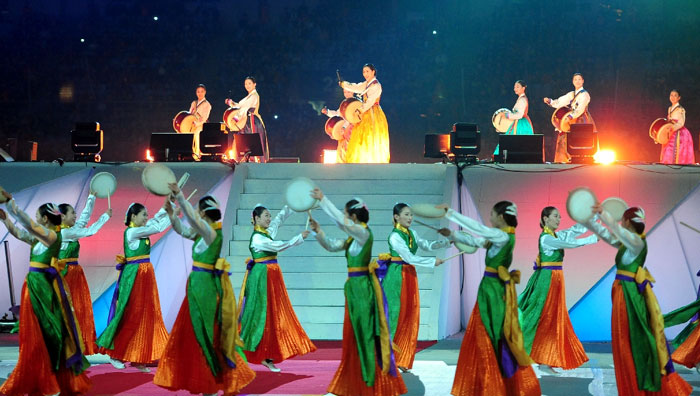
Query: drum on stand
{"points": [[350, 110], [661, 130], [334, 128], [184, 122], [500, 122], [230, 121], [561, 120]]}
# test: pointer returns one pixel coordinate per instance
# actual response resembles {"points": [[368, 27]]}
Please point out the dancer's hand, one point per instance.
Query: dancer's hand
{"points": [[3, 215], [7, 195], [444, 207], [438, 261], [314, 226], [597, 208], [446, 232], [109, 212], [316, 193], [305, 233], [174, 188]]}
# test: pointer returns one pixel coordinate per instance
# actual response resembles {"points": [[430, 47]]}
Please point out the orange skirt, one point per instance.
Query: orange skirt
{"points": [[183, 365], [33, 374], [142, 336], [555, 342], [688, 353], [283, 337], [477, 368], [82, 305], [625, 372], [406, 336], [348, 378]]}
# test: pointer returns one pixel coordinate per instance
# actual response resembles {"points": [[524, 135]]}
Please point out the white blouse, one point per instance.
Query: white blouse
{"points": [[578, 107], [520, 108], [399, 245], [359, 233], [262, 244], [615, 235], [159, 223], [201, 110], [373, 91], [80, 228], [677, 113], [496, 236], [566, 239], [252, 101], [197, 226]]}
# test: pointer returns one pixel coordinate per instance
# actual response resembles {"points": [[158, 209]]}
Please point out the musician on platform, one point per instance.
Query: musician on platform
{"points": [[249, 106], [347, 127], [522, 125], [679, 149], [200, 108], [578, 100]]}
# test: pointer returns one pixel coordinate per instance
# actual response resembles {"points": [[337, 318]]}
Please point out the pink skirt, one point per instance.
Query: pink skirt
{"points": [[679, 149]]}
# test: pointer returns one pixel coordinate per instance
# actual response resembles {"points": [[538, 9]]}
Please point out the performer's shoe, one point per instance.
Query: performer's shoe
{"points": [[141, 367], [117, 364], [268, 363], [404, 369], [547, 369]]}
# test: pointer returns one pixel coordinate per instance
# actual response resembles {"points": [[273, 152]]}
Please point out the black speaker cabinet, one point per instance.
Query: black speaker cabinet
{"points": [[171, 146], [521, 149]]}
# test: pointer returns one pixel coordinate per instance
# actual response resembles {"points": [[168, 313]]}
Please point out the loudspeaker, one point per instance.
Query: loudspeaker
{"points": [[284, 160], [436, 145], [465, 139], [247, 145], [214, 139], [86, 142], [582, 141], [170, 146], [521, 149]]}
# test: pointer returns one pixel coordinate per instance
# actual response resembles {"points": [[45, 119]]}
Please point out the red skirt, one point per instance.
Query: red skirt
{"points": [[406, 336], [283, 337], [625, 372], [33, 374], [348, 378], [183, 365], [142, 336], [82, 305], [688, 353], [477, 368], [555, 342]]}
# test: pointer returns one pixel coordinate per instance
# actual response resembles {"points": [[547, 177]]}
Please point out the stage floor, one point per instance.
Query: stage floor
{"points": [[432, 373]]}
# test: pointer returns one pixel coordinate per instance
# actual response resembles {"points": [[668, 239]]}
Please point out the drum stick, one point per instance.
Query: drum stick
{"points": [[307, 220], [191, 194], [453, 256], [691, 227], [183, 180], [427, 225], [109, 202]]}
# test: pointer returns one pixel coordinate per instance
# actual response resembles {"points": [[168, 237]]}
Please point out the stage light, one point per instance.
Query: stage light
{"points": [[330, 156], [155, 18], [149, 157], [275, 116], [434, 32], [605, 157], [82, 40]]}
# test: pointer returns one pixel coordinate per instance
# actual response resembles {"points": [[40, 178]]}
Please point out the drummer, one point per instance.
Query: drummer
{"points": [[578, 100], [521, 121], [347, 127], [200, 108], [250, 106], [679, 149]]}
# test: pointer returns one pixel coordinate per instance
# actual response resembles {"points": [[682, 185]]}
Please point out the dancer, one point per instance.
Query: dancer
{"points": [[270, 329], [578, 100], [549, 337], [135, 330], [640, 352], [203, 353], [521, 121], [401, 283], [369, 142], [71, 232], [679, 149], [250, 107], [492, 359], [367, 365], [687, 342], [51, 359]]}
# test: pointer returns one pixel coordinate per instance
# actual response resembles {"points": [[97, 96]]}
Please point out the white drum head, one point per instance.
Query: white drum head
{"points": [[616, 207], [298, 194], [580, 203], [499, 120], [467, 249], [2, 197], [103, 184], [428, 211], [156, 177]]}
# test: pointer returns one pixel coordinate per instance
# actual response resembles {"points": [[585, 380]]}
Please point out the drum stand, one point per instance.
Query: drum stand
{"points": [[6, 324]]}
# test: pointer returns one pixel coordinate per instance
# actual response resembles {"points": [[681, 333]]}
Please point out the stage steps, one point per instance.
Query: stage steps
{"points": [[314, 276]]}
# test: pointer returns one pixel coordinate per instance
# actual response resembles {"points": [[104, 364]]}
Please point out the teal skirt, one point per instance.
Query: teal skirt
{"points": [[522, 126]]}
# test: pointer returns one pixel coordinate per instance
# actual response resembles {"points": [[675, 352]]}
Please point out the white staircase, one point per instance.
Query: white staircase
{"points": [[314, 277]]}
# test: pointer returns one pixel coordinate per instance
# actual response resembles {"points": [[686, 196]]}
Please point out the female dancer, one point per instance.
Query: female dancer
{"points": [[369, 142], [640, 352], [202, 355], [549, 337], [521, 121], [135, 330], [687, 342], [367, 355], [250, 106], [679, 149], [492, 359], [401, 283], [71, 232], [51, 359], [270, 329]]}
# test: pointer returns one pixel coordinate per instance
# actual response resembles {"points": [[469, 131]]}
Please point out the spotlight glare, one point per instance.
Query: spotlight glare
{"points": [[330, 156], [604, 157], [434, 32], [155, 18], [82, 40], [149, 157], [276, 117]]}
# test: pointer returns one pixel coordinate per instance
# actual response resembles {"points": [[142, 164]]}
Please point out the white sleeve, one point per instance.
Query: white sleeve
{"points": [[330, 244], [518, 109], [494, 235], [199, 226], [261, 243], [632, 241], [358, 232], [398, 244], [278, 220], [563, 100], [602, 232], [463, 237], [246, 103], [354, 87], [551, 243], [19, 233], [74, 233], [374, 92], [193, 106], [159, 223], [582, 101], [679, 116], [187, 233], [430, 245], [25, 221], [84, 218], [572, 232], [333, 113]]}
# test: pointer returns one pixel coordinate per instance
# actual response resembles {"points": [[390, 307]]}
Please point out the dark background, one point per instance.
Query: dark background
{"points": [[133, 73]]}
